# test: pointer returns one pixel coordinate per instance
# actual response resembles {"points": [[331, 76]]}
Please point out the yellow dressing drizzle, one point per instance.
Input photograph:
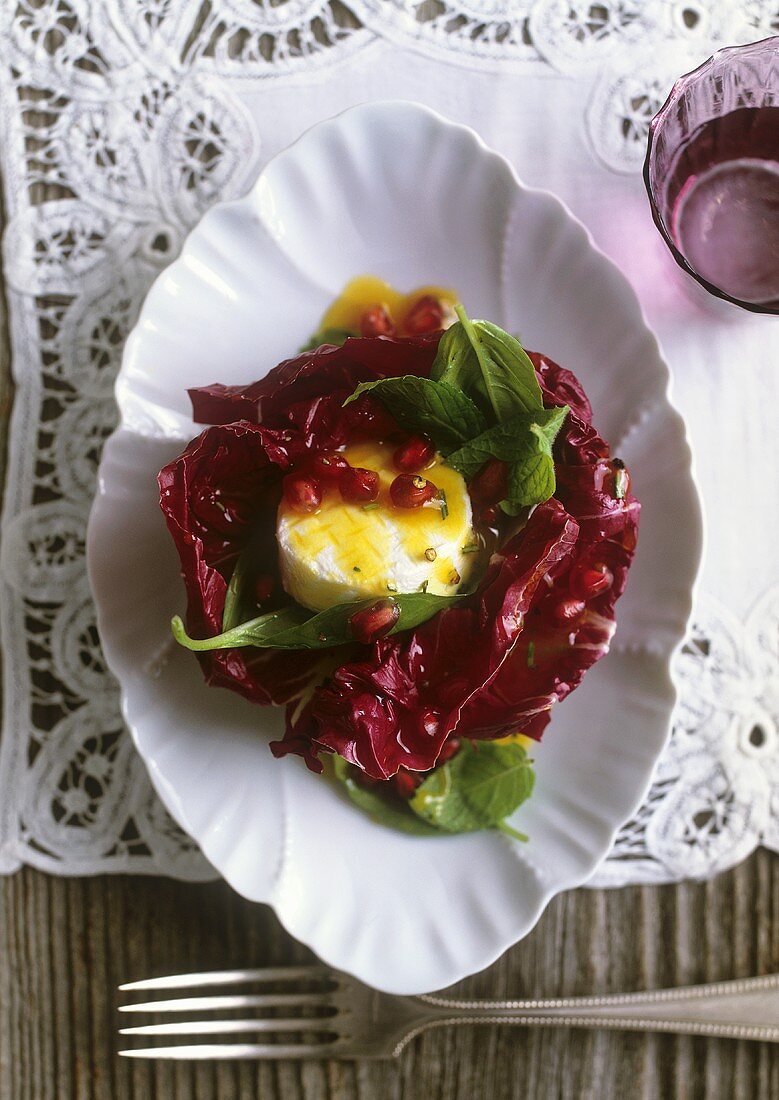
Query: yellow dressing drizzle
{"points": [[367, 290]]}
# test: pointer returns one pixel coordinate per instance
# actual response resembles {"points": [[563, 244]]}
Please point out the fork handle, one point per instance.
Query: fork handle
{"points": [[743, 1009]]}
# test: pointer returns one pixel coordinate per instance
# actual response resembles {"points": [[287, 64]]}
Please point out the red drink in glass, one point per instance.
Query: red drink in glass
{"points": [[712, 172]]}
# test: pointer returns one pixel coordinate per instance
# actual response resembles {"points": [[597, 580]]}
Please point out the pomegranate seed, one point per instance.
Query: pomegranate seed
{"points": [[264, 587], [491, 483], [358, 485], [569, 609], [448, 750], [412, 491], [426, 315], [302, 493], [417, 453], [490, 515], [588, 581], [368, 417], [375, 621], [328, 465], [428, 722], [406, 782], [376, 321]]}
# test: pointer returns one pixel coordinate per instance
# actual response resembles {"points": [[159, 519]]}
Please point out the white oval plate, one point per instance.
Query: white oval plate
{"points": [[395, 190]]}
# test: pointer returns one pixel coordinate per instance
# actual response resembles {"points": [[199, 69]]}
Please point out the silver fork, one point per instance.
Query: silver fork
{"points": [[328, 1014]]}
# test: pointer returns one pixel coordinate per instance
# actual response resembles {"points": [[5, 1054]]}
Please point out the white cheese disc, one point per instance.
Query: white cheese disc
{"points": [[348, 551]]}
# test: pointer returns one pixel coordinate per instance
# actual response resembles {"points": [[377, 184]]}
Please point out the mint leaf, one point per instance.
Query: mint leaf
{"points": [[517, 381], [455, 362], [531, 481], [525, 444], [511, 441], [295, 627], [477, 789], [337, 336], [393, 814], [422, 405], [490, 365], [234, 612]]}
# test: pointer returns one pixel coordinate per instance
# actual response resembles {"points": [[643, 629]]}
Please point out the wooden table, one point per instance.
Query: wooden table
{"points": [[65, 945]]}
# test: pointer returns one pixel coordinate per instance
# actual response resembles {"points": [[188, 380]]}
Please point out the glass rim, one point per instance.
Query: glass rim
{"points": [[753, 307]]}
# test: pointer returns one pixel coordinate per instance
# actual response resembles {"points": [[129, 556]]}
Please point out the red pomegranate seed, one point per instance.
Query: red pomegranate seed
{"points": [[426, 315], [358, 485], [264, 587], [367, 417], [491, 483], [376, 321], [375, 621], [416, 453], [328, 465], [406, 782], [412, 491], [448, 750], [588, 581], [490, 515], [302, 493], [428, 722], [569, 609]]}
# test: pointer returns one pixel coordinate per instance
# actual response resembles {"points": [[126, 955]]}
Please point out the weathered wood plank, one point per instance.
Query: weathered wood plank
{"points": [[66, 944]]}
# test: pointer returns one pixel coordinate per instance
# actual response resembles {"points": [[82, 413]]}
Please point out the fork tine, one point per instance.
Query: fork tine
{"points": [[240, 1000], [233, 1027], [235, 1051], [232, 977]]}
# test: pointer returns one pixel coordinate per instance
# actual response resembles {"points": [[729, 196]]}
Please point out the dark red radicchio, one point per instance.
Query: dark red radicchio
{"points": [[493, 665]]}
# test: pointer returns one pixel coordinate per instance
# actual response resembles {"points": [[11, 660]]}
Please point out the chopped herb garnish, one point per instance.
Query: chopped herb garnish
{"points": [[531, 654], [356, 569], [470, 548], [374, 504], [620, 479], [444, 505], [423, 586]]}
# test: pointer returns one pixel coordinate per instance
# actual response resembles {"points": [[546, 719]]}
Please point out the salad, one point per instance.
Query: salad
{"points": [[410, 536]]}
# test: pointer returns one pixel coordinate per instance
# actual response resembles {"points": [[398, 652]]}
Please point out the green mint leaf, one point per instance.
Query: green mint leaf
{"points": [[525, 444], [477, 789], [422, 405], [337, 336], [490, 365], [531, 481], [295, 627], [381, 808], [455, 362], [522, 436], [234, 611], [516, 386]]}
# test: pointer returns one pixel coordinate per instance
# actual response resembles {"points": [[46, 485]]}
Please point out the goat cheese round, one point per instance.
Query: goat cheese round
{"points": [[347, 551]]}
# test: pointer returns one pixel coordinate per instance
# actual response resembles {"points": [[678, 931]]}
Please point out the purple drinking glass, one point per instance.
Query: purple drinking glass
{"points": [[712, 174]]}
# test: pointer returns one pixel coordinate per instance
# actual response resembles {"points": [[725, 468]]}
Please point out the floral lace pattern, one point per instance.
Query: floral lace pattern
{"points": [[122, 121]]}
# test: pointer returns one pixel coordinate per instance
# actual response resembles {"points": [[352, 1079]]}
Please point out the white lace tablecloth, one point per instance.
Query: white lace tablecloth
{"points": [[122, 121]]}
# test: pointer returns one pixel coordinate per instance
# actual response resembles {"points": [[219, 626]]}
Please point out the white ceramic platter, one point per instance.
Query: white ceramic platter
{"points": [[394, 190]]}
